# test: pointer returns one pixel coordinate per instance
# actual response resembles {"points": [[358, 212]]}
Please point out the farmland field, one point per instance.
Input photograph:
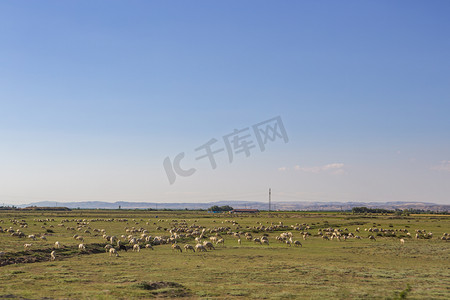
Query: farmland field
{"points": [[344, 268]]}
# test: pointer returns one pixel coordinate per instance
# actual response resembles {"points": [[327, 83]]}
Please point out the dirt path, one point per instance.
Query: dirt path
{"points": [[40, 255]]}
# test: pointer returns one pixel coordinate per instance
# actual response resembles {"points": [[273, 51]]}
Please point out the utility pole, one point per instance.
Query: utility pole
{"points": [[270, 196]]}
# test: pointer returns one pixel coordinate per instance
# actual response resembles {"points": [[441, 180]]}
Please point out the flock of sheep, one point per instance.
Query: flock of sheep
{"points": [[180, 232]]}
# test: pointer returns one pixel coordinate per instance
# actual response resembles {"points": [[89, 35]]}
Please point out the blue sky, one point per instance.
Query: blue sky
{"points": [[94, 95]]}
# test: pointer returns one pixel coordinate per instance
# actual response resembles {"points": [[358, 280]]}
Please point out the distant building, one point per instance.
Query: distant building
{"points": [[252, 211]]}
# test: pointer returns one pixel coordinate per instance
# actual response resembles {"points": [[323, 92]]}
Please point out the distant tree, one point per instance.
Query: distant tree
{"points": [[226, 208], [220, 208], [214, 208], [363, 210]]}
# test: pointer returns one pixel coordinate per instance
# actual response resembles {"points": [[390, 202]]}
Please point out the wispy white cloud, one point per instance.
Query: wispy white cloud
{"points": [[334, 168], [443, 166]]}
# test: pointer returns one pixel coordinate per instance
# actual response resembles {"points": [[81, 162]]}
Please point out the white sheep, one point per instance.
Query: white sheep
{"points": [[26, 246], [208, 245], [239, 241], [176, 247], [402, 241], [82, 247], [200, 248], [112, 252], [53, 255], [149, 246], [136, 248], [297, 243], [57, 245], [189, 247], [256, 240]]}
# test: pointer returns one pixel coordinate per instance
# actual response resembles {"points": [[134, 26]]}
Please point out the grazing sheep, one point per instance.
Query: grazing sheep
{"points": [[256, 240], [208, 245], [265, 241], [136, 248], [57, 245], [200, 248], [239, 241], [402, 241], [82, 247], [220, 241], [176, 247], [52, 255], [371, 237], [297, 243], [108, 247], [149, 246], [189, 247], [113, 251], [26, 246]]}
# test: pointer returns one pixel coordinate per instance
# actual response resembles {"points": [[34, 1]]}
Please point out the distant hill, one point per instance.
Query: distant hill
{"points": [[298, 205]]}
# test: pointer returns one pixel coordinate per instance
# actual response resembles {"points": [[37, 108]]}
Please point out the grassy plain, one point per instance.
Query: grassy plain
{"points": [[351, 269]]}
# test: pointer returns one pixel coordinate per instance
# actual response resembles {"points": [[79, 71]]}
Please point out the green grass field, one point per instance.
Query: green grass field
{"points": [[320, 269]]}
